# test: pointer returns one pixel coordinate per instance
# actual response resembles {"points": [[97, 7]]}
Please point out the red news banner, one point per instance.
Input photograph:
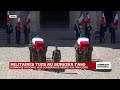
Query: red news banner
{"points": [[52, 65]]}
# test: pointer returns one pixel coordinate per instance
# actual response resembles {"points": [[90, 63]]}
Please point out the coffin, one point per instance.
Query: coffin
{"points": [[83, 43], [38, 42]]}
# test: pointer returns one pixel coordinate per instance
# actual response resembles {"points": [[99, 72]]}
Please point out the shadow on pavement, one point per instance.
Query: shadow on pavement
{"points": [[96, 60], [54, 70], [13, 45], [69, 73], [102, 70], [108, 45]]}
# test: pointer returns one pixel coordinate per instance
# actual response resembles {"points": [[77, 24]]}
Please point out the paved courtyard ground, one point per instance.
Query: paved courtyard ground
{"points": [[104, 52]]}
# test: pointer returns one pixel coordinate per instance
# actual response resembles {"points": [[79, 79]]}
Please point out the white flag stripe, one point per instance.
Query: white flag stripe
{"points": [[116, 17], [104, 17], [88, 16], [8, 13], [81, 18], [19, 20], [28, 17]]}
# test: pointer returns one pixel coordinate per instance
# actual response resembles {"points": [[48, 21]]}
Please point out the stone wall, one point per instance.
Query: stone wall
{"points": [[35, 20], [95, 17]]}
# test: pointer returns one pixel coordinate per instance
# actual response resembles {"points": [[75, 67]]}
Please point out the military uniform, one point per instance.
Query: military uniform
{"points": [[84, 56], [9, 30], [112, 30], [18, 34], [42, 54], [76, 31], [31, 51], [26, 33], [87, 31], [102, 33], [37, 55], [56, 56], [80, 28]]}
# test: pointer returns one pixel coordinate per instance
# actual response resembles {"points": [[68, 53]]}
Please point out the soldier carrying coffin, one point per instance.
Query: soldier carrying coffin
{"points": [[83, 50], [38, 50]]}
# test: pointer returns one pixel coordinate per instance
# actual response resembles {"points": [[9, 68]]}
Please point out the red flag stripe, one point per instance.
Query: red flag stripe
{"points": [[81, 19], [8, 19], [87, 20], [28, 19], [116, 20], [19, 24], [103, 20]]}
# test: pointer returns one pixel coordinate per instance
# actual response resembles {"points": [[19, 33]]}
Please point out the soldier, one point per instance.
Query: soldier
{"points": [[31, 47], [33, 53], [26, 33], [76, 28], [18, 34], [88, 28], [76, 46], [42, 54], [56, 56], [112, 30], [80, 29], [9, 30], [102, 33]]}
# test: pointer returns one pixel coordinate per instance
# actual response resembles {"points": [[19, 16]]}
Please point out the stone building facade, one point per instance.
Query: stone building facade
{"points": [[95, 17]]}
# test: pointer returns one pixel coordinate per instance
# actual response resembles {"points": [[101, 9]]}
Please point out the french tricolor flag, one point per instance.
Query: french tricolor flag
{"points": [[116, 20], [103, 20], [87, 19], [28, 19], [19, 24], [8, 19], [81, 19]]}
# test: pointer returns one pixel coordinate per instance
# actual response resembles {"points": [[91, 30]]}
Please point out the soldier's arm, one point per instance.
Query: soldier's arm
{"points": [[75, 46], [60, 55], [31, 47], [45, 50], [53, 55], [91, 47]]}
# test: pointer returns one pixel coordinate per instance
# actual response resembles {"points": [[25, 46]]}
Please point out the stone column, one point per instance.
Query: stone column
{"points": [[35, 21]]}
